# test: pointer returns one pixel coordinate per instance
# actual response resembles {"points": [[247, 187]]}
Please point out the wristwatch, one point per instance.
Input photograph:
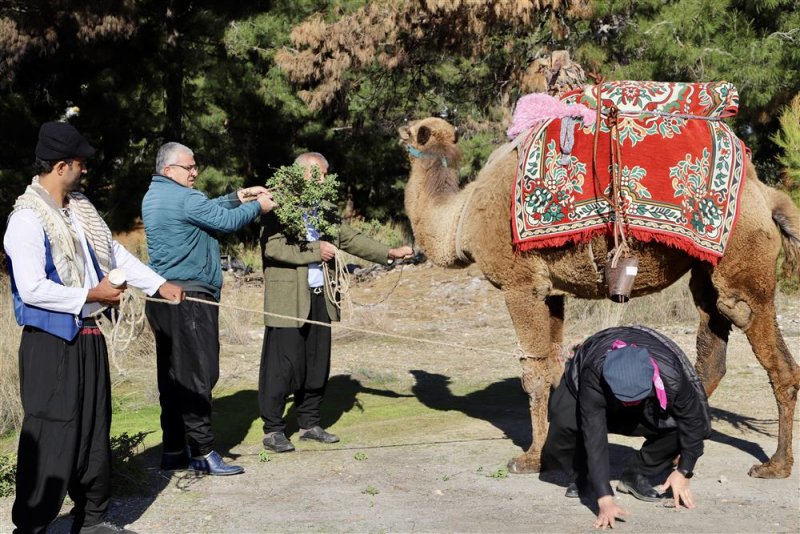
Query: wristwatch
{"points": [[685, 472]]}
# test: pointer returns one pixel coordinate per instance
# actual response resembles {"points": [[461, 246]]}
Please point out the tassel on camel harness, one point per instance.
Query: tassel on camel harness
{"points": [[622, 266]]}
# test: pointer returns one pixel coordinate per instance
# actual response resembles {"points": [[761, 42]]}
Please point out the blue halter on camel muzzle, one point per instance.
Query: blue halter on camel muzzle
{"points": [[416, 153]]}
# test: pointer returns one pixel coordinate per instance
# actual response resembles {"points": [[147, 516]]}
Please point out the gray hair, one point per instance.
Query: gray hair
{"points": [[307, 159], [168, 155]]}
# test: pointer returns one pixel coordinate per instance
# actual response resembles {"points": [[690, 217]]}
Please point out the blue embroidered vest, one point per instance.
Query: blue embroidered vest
{"points": [[63, 325]]}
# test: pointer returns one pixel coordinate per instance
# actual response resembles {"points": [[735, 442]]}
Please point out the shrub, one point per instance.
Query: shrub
{"points": [[128, 475], [8, 474]]}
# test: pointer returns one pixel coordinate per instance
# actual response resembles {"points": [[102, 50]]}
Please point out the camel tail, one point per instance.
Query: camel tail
{"points": [[786, 215]]}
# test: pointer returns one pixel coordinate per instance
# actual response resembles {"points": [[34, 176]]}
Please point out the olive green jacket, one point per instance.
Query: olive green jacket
{"points": [[286, 269]]}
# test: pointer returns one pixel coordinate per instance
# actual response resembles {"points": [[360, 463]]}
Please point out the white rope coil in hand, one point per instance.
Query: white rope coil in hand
{"points": [[123, 323]]}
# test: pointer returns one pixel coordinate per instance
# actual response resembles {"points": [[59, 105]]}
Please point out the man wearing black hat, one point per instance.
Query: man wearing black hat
{"points": [[59, 252], [631, 381]]}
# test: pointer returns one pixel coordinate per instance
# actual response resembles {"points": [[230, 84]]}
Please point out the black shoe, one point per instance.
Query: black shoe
{"points": [[277, 442], [175, 461], [105, 528], [638, 486], [572, 491], [318, 433]]}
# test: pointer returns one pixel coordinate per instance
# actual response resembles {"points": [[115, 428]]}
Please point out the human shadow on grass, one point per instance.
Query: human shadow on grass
{"points": [[503, 404], [138, 480], [341, 397]]}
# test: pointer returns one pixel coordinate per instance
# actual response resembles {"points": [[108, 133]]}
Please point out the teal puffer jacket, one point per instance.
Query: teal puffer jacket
{"points": [[180, 224]]}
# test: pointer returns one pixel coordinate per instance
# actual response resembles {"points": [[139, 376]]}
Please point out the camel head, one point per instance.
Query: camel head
{"points": [[431, 139]]}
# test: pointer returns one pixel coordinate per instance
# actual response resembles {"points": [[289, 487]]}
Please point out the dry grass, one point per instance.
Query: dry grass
{"points": [[671, 306], [10, 405], [238, 326]]}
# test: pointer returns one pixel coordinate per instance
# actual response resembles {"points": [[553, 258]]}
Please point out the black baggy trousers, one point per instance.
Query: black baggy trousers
{"points": [[187, 358], [295, 360], [64, 444]]}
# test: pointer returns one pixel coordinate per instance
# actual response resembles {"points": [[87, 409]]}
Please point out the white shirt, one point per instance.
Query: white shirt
{"points": [[315, 278], [24, 244]]}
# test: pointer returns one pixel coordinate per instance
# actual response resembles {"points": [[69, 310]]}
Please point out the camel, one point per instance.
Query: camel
{"points": [[456, 227]]}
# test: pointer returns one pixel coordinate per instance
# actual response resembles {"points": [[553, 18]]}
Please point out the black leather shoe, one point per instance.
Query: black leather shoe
{"points": [[638, 486], [572, 491], [175, 461], [318, 433], [277, 442], [213, 464]]}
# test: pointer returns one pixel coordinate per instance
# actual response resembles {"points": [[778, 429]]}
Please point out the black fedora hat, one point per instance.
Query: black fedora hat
{"points": [[59, 140]]}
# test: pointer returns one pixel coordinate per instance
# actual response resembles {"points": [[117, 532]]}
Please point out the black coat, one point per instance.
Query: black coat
{"points": [[601, 412]]}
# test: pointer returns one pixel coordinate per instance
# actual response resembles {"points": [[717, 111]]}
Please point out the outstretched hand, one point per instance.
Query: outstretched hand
{"points": [[401, 253], [608, 512], [251, 193], [680, 489]]}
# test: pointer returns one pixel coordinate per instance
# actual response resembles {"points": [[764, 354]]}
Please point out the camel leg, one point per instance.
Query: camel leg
{"points": [[533, 322], [784, 375], [555, 305], [749, 304], [712, 332]]}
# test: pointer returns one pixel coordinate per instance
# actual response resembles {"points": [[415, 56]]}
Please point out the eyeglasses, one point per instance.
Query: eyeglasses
{"points": [[187, 168]]}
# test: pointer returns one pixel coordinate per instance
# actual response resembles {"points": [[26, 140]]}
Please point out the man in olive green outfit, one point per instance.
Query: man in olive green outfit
{"points": [[295, 357]]}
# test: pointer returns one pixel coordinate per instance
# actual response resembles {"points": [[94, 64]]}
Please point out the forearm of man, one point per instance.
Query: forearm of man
{"points": [[138, 274], [279, 250], [228, 201], [358, 244], [594, 429], [212, 217], [689, 415]]}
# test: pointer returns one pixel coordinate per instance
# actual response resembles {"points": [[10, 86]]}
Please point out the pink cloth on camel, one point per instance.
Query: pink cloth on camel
{"points": [[537, 107]]}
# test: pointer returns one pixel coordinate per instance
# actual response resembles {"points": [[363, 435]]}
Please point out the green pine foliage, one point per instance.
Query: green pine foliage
{"points": [[754, 45], [788, 138], [205, 73], [302, 201]]}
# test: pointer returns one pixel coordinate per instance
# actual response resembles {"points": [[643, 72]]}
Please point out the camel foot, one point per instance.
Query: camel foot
{"points": [[524, 464], [769, 470]]}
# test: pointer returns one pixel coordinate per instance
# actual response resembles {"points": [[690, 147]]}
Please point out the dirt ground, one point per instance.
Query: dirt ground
{"points": [[427, 430]]}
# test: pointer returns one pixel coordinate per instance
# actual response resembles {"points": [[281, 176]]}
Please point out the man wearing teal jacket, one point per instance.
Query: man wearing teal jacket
{"points": [[180, 222], [296, 356]]}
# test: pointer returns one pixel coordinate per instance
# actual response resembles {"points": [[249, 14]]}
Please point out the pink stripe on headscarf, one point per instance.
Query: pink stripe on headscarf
{"points": [[661, 393]]}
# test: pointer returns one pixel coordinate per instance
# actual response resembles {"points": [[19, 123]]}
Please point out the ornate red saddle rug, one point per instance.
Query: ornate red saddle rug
{"points": [[681, 169]]}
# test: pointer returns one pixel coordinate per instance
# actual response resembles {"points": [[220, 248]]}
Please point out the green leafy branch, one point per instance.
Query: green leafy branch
{"points": [[303, 201]]}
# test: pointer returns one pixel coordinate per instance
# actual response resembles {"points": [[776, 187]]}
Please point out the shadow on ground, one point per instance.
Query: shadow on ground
{"points": [[503, 404]]}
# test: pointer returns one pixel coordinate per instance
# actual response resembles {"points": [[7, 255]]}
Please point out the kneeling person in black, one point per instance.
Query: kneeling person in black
{"points": [[631, 381]]}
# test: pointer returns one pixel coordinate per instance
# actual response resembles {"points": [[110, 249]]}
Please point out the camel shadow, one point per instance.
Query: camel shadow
{"points": [[742, 423], [503, 404], [341, 397]]}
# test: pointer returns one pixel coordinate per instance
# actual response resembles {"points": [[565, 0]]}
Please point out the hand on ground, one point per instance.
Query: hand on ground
{"points": [[680, 489], [608, 512]]}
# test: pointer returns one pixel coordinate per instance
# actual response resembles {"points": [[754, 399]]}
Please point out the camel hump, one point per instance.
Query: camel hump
{"points": [[706, 100]]}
